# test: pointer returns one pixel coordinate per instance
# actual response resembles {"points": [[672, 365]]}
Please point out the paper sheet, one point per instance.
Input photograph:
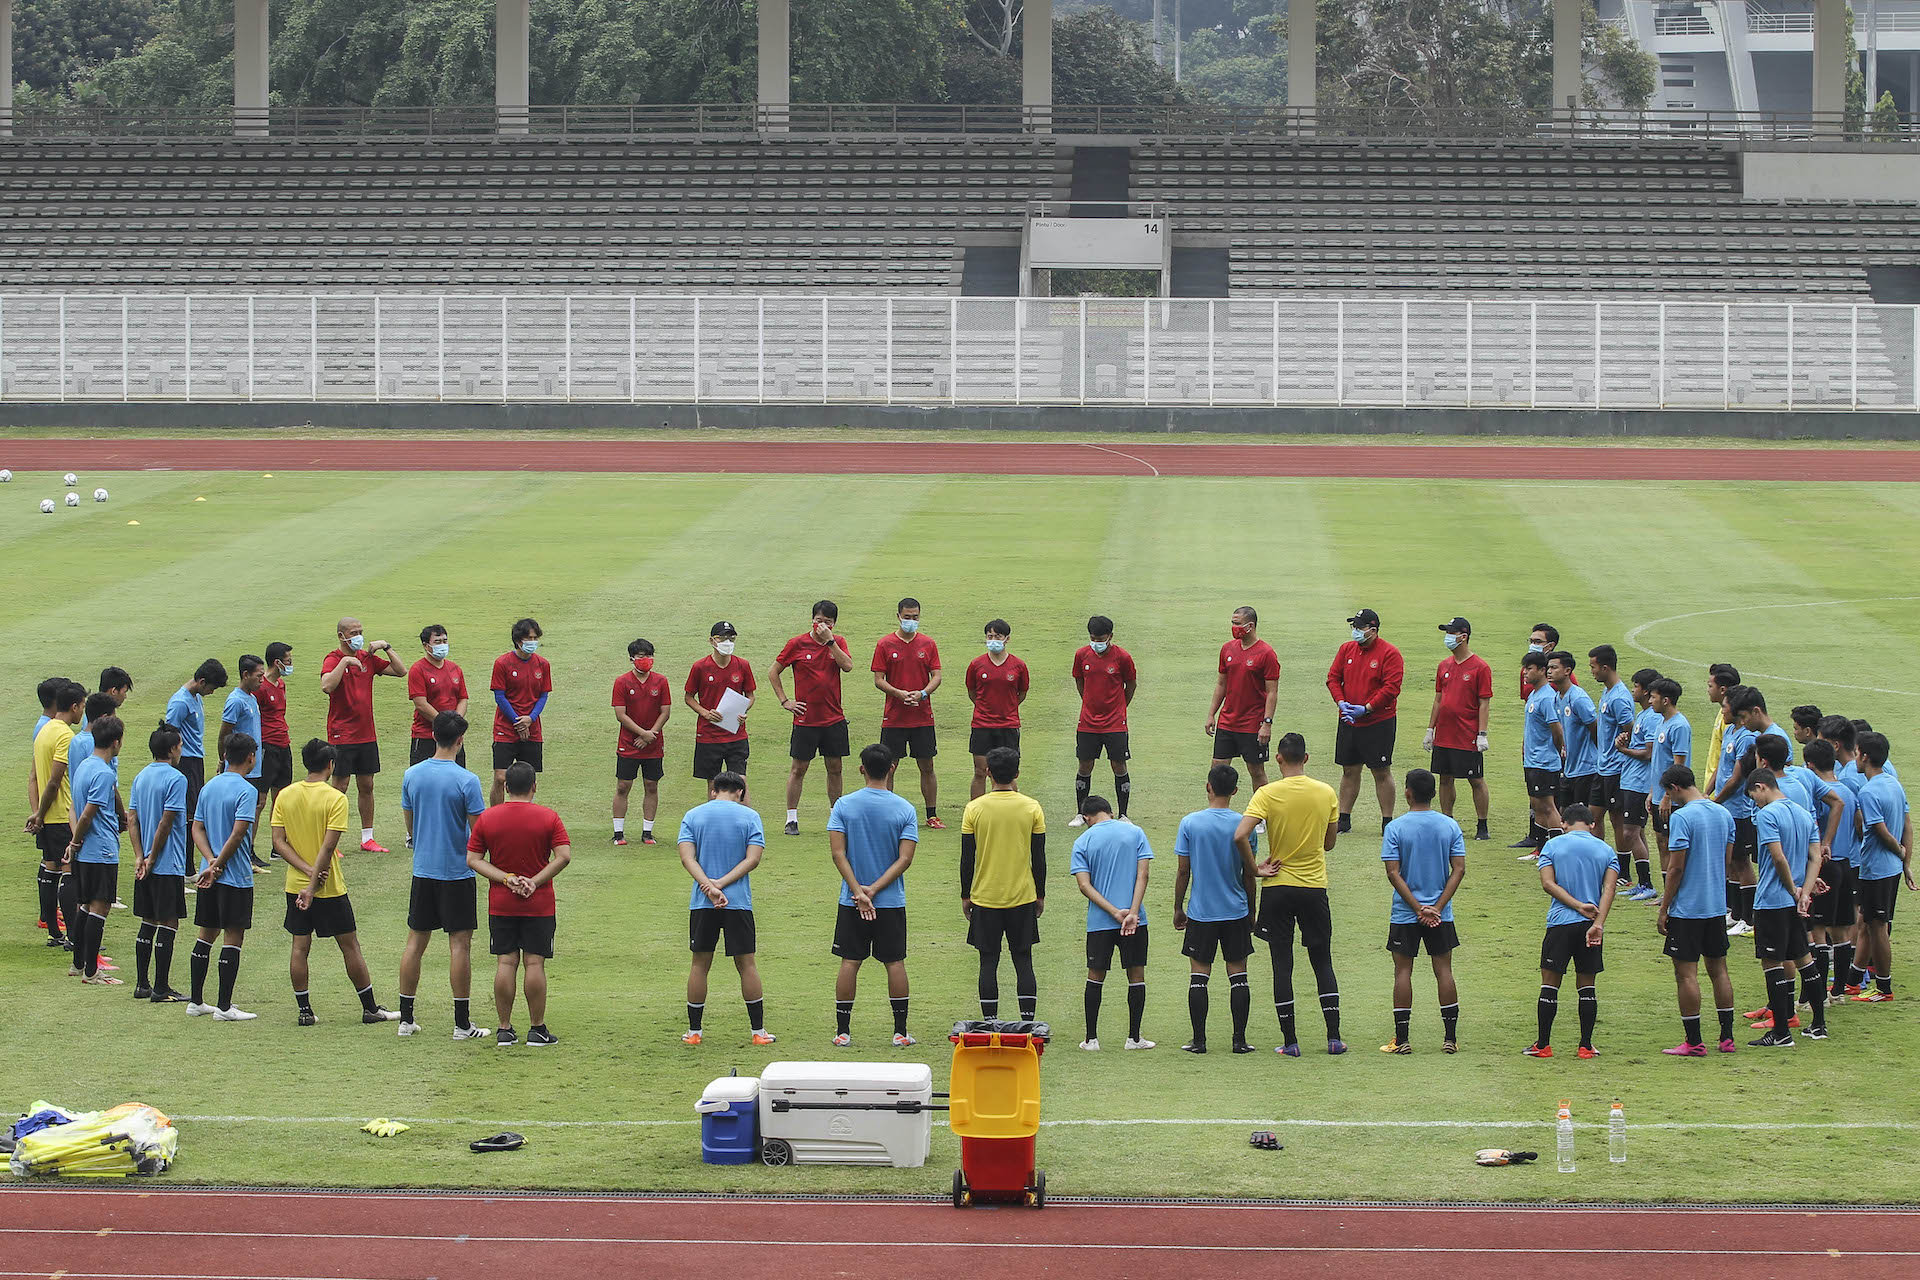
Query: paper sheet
{"points": [[733, 705]]}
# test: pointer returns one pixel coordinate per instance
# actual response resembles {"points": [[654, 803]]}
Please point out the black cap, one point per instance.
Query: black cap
{"points": [[722, 629], [1458, 624], [1365, 618]]}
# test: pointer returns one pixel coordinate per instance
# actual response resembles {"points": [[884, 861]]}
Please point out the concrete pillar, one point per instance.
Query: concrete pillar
{"points": [[1036, 63], [511, 73], [1566, 54], [1829, 63], [775, 59], [1303, 57], [6, 68], [250, 68]]}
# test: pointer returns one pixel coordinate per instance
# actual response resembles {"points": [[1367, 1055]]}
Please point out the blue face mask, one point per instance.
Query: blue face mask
{"points": [[356, 643], [530, 646], [1453, 641], [287, 670], [439, 650], [1099, 646], [1359, 635], [909, 625], [996, 645], [1536, 648]]}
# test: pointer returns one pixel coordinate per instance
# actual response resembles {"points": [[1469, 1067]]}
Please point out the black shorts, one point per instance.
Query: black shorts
{"points": [[223, 906], [1407, 939], [1542, 782], [713, 758], [1567, 944], [884, 937], [1232, 744], [1017, 927], [1605, 793], [531, 934], [828, 740], [981, 741], [53, 840], [1661, 821], [351, 759], [442, 905], [918, 743], [260, 786], [1746, 840], [327, 917], [423, 749], [1283, 906], [276, 766], [1088, 746], [1101, 944], [1835, 906], [1633, 808], [96, 882], [1575, 790], [160, 897], [1371, 744], [1232, 938], [1691, 939], [705, 926], [1452, 762], [194, 769], [1876, 898], [626, 768], [1779, 933], [508, 754]]}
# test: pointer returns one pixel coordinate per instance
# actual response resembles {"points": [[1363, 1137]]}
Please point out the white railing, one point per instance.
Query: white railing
{"points": [[1271, 351], [1766, 22], [1897, 20], [1687, 24]]}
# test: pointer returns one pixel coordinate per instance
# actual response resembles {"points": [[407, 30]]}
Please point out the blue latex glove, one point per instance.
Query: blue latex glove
{"points": [[1350, 712]]}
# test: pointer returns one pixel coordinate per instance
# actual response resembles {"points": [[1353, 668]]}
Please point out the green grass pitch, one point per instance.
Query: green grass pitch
{"points": [[1723, 572]]}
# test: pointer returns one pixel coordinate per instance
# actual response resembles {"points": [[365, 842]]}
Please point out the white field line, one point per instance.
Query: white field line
{"points": [[1633, 639], [1129, 457]]}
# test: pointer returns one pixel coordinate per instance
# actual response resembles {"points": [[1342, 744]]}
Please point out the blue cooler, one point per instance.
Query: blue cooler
{"points": [[730, 1120]]}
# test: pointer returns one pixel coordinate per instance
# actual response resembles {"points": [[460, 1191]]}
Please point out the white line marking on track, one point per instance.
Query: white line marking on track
{"points": [[1633, 638], [1129, 457]]}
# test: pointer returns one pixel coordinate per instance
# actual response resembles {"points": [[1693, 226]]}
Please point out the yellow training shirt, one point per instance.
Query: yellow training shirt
{"points": [[50, 745], [1296, 811], [308, 810], [1003, 824]]}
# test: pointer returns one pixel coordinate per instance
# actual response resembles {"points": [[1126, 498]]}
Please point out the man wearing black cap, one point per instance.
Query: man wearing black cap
{"points": [[1365, 680], [1457, 725], [716, 749]]}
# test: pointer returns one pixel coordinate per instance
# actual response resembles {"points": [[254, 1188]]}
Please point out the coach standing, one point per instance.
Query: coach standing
{"points": [[1457, 725], [346, 677], [1364, 681]]}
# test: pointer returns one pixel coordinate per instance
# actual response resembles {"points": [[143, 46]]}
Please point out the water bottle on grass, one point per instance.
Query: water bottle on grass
{"points": [[1564, 1127], [1617, 1134]]}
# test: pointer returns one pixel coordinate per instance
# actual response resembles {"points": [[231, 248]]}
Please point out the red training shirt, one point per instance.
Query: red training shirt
{"points": [[523, 680], [518, 837], [350, 705], [1461, 685], [1248, 669], [1103, 693], [906, 664], [273, 714], [1371, 676], [816, 678], [444, 687], [996, 689], [707, 681], [642, 697]]}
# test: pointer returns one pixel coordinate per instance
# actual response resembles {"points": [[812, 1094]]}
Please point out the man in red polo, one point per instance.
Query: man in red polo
{"points": [[816, 657], [997, 683], [435, 683], [1104, 674], [1240, 717], [716, 749], [346, 677], [1457, 725], [906, 668], [642, 701], [1364, 680], [522, 682]]}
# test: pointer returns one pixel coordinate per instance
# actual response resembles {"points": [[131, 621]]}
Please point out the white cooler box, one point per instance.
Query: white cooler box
{"points": [[875, 1113]]}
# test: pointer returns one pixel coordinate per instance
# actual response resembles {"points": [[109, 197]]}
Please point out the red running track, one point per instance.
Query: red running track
{"points": [[988, 457], [231, 1235]]}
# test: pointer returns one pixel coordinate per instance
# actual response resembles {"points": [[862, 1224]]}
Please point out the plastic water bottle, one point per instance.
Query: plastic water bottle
{"points": [[1564, 1127], [1617, 1134]]}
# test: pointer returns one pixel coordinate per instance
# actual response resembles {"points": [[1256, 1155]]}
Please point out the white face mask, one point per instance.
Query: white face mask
{"points": [[723, 647], [1536, 648], [530, 646], [909, 625], [1359, 635], [1453, 640], [439, 650], [996, 645], [1099, 646], [356, 643], [287, 670]]}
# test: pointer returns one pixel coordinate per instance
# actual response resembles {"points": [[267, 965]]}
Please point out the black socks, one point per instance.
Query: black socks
{"points": [[1240, 1001], [197, 964], [406, 1009], [229, 966], [899, 1004], [1450, 1020], [757, 1014], [1136, 1008], [1548, 1008], [1090, 1002], [1025, 986], [1123, 786], [843, 1017], [1401, 1019], [142, 955], [694, 1012], [1589, 1014], [50, 902], [460, 1019], [1197, 1006], [163, 939]]}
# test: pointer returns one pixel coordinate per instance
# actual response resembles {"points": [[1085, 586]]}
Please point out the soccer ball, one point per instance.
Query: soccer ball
{"points": [[99, 495], [73, 499], [46, 506], [6, 477], [71, 479]]}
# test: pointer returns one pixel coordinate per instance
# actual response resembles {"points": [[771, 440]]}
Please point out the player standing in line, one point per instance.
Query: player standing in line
{"points": [[1789, 847], [1003, 882], [276, 742], [1542, 638], [1240, 716], [47, 690], [79, 751], [717, 750], [435, 683], [721, 842], [520, 846], [1104, 676], [1838, 733], [1886, 859], [1220, 916], [1300, 816], [642, 703], [94, 849], [1615, 713], [522, 683], [1806, 723], [1579, 719], [1110, 866], [1637, 782], [187, 716], [1425, 854], [51, 822], [309, 821], [1542, 748], [1364, 680], [241, 714], [1457, 724], [439, 801], [157, 817], [872, 835], [1731, 768], [1693, 906], [347, 674], [223, 906], [818, 657], [1721, 676], [997, 683], [1579, 873], [906, 668], [1833, 911], [1672, 745]]}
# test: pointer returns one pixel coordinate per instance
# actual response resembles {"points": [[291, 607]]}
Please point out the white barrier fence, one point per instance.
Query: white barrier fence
{"points": [[783, 349]]}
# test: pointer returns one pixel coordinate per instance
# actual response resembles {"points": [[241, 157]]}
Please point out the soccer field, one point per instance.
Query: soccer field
{"points": [[1802, 586]]}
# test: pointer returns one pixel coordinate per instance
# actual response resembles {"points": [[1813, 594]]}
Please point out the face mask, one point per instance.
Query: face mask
{"points": [[996, 645], [439, 650], [1453, 641], [724, 648], [356, 643], [287, 670], [1536, 648], [909, 625], [643, 663], [530, 646], [1099, 646], [1359, 635], [1241, 632]]}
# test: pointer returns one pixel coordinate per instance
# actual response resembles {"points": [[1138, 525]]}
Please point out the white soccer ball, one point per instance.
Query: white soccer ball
{"points": [[46, 506], [71, 479], [73, 499], [6, 477], [99, 495]]}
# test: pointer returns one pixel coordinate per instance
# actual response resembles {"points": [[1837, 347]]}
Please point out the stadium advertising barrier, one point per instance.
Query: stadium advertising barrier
{"points": [[1415, 352]]}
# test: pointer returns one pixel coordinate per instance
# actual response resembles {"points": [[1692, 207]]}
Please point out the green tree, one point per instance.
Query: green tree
{"points": [[1100, 58], [59, 41], [1886, 119]]}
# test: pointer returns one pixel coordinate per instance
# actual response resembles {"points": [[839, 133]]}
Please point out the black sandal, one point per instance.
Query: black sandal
{"points": [[498, 1142]]}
